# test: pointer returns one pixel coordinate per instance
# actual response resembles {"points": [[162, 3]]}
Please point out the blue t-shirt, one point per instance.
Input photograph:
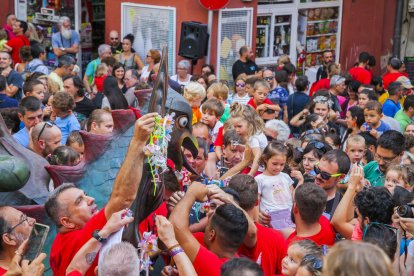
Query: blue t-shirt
{"points": [[390, 108], [58, 41], [7, 102], [16, 79], [22, 137], [383, 127], [67, 125], [279, 96]]}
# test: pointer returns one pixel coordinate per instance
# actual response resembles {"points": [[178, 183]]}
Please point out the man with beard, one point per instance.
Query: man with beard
{"points": [[116, 46], [390, 148], [46, 138], [245, 64], [66, 41], [30, 113], [323, 70]]}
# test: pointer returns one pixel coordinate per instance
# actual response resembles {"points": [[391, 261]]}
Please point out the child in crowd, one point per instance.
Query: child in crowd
{"points": [[241, 96], [212, 111], [75, 142], [295, 254], [356, 149], [220, 92], [64, 156], [250, 85], [399, 175], [100, 122], [373, 123], [195, 93], [62, 105], [266, 109], [100, 75], [311, 265], [34, 88], [365, 96], [247, 123], [275, 186], [3, 39], [333, 140]]}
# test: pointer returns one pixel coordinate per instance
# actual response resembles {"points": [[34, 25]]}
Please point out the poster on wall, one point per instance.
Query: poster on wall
{"points": [[153, 27], [22, 10]]}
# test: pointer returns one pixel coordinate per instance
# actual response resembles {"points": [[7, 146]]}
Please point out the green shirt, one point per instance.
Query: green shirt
{"points": [[403, 119], [374, 174]]}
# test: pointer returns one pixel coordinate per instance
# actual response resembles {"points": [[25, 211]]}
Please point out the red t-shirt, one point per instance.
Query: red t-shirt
{"points": [[390, 77], [17, 43], [2, 271], [149, 221], [252, 104], [74, 273], [99, 81], [325, 237], [360, 74], [220, 138], [207, 263], [320, 84], [269, 250], [65, 246]]}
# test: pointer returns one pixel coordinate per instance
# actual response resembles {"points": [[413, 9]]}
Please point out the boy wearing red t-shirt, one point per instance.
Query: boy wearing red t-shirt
{"points": [[270, 247], [309, 204], [359, 72], [225, 231], [76, 215], [393, 71], [260, 102]]}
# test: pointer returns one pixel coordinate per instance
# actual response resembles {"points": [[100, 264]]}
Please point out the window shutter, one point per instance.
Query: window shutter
{"points": [[235, 31], [153, 27]]}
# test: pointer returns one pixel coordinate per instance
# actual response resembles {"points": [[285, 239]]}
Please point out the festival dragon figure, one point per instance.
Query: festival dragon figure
{"points": [[102, 160]]}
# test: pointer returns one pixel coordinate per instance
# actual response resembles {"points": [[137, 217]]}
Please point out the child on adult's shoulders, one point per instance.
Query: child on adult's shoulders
{"points": [[266, 109]]}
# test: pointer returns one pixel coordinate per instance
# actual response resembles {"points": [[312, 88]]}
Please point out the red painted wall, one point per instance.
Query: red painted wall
{"points": [[365, 28], [6, 6], [187, 10]]}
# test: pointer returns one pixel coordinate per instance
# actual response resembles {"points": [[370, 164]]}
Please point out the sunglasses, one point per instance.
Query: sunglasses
{"points": [[149, 56], [268, 78], [394, 229], [43, 129], [114, 38], [315, 262], [240, 85], [324, 175]]}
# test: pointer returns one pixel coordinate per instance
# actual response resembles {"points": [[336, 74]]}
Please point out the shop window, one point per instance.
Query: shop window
{"points": [[261, 2], [235, 31], [154, 27]]}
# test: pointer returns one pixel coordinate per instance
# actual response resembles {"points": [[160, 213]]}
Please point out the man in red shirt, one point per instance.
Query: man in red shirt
{"points": [[270, 246], [13, 45], [393, 71], [226, 229], [359, 72], [75, 214], [308, 206]]}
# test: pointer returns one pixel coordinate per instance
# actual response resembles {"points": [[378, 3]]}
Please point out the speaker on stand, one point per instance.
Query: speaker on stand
{"points": [[193, 41]]}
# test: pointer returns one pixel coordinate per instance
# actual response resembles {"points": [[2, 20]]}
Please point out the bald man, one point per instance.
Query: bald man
{"points": [[15, 228], [114, 42], [46, 138]]}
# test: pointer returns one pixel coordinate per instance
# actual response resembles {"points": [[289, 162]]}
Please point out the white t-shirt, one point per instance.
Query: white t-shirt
{"points": [[274, 192], [241, 100], [145, 74], [177, 79], [258, 140]]}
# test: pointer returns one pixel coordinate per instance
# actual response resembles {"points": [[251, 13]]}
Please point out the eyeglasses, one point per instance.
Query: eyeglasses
{"points": [[240, 85], [268, 78], [23, 218], [315, 262], [149, 56], [43, 129], [379, 224], [324, 175], [181, 69], [114, 38], [386, 160]]}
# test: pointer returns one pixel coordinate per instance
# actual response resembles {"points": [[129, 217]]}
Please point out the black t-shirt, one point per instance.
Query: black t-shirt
{"points": [[85, 108], [322, 73], [332, 204], [248, 68]]}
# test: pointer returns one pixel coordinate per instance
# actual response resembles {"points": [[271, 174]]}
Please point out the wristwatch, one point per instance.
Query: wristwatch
{"points": [[63, 49], [96, 235]]}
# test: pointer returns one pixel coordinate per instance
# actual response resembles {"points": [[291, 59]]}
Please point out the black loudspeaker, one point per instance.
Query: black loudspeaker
{"points": [[193, 40]]}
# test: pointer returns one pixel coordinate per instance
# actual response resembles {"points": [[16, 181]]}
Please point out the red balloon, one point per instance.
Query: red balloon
{"points": [[213, 4]]}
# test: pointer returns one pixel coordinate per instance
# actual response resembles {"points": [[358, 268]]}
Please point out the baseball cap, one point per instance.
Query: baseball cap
{"points": [[405, 82]]}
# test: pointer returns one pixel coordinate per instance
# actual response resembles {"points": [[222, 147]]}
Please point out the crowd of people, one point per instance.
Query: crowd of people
{"points": [[291, 178]]}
